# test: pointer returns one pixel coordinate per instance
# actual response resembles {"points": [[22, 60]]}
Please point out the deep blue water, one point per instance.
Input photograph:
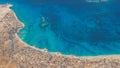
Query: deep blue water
{"points": [[73, 26]]}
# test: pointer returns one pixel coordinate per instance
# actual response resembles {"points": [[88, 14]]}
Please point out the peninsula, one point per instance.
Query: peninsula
{"points": [[14, 53]]}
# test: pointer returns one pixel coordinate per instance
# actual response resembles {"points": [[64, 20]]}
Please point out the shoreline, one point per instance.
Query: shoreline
{"points": [[70, 55], [26, 56]]}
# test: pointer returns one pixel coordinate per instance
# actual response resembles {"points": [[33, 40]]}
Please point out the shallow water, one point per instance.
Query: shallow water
{"points": [[71, 26]]}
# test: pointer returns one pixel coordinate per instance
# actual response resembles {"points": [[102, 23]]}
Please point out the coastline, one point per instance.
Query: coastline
{"points": [[26, 56], [55, 52]]}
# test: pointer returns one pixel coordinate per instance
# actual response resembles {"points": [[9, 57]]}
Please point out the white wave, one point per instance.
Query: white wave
{"points": [[96, 0]]}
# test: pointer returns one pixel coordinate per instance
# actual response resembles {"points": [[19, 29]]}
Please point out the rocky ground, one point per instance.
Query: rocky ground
{"points": [[16, 54]]}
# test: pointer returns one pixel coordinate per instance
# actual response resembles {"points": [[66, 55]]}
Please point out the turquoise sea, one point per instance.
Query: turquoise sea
{"points": [[73, 27]]}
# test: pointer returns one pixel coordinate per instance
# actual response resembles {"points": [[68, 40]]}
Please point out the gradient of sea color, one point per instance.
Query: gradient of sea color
{"points": [[71, 26]]}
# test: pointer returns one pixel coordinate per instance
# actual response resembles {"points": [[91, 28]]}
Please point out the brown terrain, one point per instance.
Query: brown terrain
{"points": [[16, 54]]}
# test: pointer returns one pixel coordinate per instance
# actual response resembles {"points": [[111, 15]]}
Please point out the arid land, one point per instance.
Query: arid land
{"points": [[14, 53]]}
